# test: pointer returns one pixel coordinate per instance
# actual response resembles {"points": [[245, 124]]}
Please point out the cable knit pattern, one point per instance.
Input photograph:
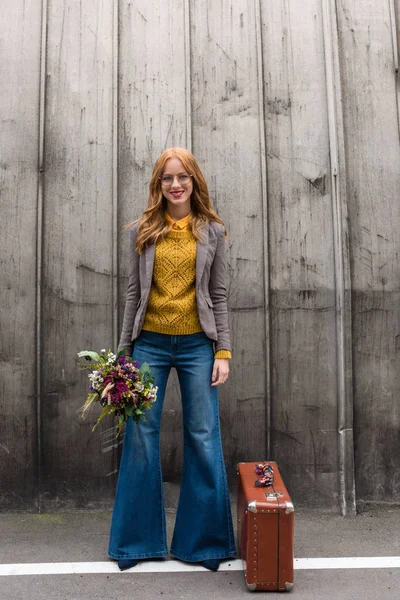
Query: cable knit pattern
{"points": [[172, 300], [172, 307]]}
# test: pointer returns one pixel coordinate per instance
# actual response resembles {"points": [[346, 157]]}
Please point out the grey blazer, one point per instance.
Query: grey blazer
{"points": [[210, 288]]}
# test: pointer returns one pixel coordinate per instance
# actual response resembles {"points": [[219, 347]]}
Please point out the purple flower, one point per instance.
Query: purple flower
{"points": [[122, 359], [121, 386], [136, 363]]}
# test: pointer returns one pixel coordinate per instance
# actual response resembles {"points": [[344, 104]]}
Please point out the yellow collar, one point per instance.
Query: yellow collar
{"points": [[181, 224]]}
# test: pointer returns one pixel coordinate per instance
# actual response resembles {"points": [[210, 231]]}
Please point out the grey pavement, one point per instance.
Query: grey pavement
{"points": [[76, 537]]}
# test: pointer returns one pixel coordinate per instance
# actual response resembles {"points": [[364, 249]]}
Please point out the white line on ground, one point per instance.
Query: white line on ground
{"points": [[349, 562], [175, 566]]}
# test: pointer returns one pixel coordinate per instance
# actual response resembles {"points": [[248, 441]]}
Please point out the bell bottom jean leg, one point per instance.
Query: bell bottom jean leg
{"points": [[203, 527], [138, 528]]}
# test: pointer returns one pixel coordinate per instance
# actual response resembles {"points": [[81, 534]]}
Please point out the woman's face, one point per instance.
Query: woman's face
{"points": [[176, 186]]}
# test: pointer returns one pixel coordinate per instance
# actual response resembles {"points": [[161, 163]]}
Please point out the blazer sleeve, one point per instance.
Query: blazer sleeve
{"points": [[217, 288], [132, 295]]}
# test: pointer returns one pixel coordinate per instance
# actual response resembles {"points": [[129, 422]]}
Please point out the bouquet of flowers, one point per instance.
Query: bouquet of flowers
{"points": [[119, 385]]}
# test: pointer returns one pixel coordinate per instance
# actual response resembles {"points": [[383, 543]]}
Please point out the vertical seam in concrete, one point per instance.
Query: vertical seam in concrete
{"points": [[394, 34], [188, 75], [332, 89], [264, 197], [337, 245], [115, 265], [395, 47], [116, 455], [39, 252]]}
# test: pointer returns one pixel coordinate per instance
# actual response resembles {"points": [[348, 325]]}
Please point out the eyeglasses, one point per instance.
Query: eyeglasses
{"points": [[168, 180]]}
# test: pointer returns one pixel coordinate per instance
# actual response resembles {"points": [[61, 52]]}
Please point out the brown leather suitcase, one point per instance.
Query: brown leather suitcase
{"points": [[265, 530]]}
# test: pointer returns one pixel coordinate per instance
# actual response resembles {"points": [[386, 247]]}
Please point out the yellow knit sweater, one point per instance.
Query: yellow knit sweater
{"points": [[172, 304]]}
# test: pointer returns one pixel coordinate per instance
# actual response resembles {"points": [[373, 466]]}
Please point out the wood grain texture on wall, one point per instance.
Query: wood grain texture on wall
{"points": [[226, 141], [368, 53], [19, 118], [292, 110], [302, 270], [77, 259]]}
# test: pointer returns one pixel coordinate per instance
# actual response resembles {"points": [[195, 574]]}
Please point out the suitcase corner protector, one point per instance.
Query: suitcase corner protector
{"points": [[251, 586], [289, 508], [288, 586], [252, 506]]}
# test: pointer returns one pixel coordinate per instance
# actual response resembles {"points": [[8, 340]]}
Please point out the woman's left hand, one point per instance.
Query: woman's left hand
{"points": [[220, 371]]}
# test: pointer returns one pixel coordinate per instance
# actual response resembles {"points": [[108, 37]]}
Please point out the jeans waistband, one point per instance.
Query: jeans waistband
{"points": [[168, 336]]}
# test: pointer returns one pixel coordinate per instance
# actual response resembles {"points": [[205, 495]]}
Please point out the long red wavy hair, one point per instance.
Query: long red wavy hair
{"points": [[153, 224]]}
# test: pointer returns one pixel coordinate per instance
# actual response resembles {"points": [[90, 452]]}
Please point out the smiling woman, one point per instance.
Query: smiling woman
{"points": [[176, 316]]}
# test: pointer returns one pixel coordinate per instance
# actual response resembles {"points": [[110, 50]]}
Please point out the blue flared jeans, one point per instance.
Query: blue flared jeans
{"points": [[203, 526]]}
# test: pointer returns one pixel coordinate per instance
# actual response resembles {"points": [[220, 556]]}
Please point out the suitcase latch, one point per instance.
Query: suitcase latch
{"points": [[273, 495]]}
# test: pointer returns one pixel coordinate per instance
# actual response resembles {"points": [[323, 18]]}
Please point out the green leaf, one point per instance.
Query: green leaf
{"points": [[129, 410], [138, 411], [144, 368], [89, 355], [145, 374], [103, 413]]}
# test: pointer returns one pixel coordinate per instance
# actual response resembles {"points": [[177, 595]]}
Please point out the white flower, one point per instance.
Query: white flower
{"points": [[153, 392], [103, 350]]}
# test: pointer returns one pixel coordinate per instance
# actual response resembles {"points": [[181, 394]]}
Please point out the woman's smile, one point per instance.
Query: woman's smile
{"points": [[177, 193]]}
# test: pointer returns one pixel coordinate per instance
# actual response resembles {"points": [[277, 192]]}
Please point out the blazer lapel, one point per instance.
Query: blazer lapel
{"points": [[149, 258], [201, 256]]}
